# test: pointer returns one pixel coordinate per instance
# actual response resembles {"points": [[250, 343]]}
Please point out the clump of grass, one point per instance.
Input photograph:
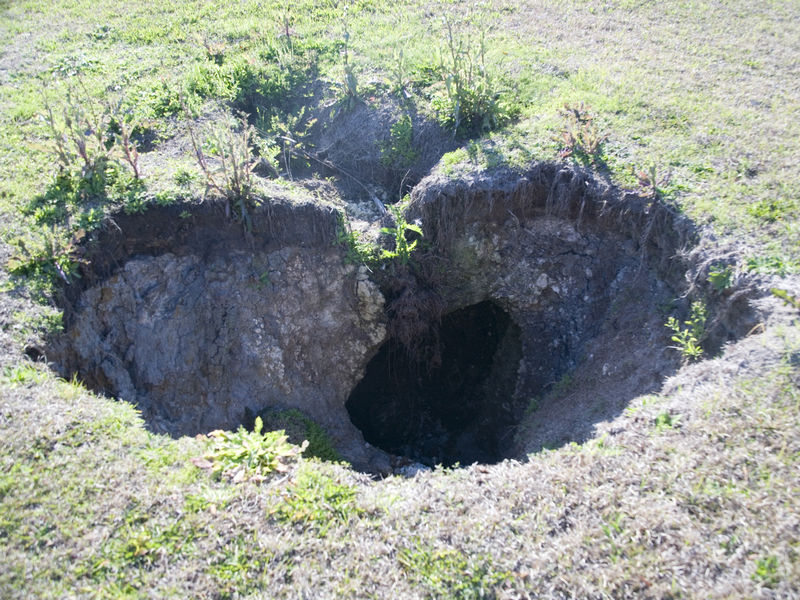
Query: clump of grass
{"points": [[448, 573], [316, 499]]}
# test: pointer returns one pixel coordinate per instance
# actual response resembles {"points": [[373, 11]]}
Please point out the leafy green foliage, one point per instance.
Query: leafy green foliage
{"points": [[720, 277], [357, 250], [787, 298], [248, 455], [774, 265], [402, 247], [299, 428], [688, 335], [398, 151], [667, 420], [449, 573], [269, 78], [767, 571]]}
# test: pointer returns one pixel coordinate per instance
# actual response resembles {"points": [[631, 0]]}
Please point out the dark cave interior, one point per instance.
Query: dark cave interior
{"points": [[452, 406]]}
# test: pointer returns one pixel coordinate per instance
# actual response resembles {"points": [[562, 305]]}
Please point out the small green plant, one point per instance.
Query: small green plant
{"points": [[46, 257], [580, 136], [667, 420], [720, 277], [248, 455], [398, 151], [402, 247], [449, 573], [651, 182], [766, 571], [349, 86], [787, 298], [23, 374], [690, 333], [357, 251], [773, 265], [563, 385], [298, 428], [317, 499]]}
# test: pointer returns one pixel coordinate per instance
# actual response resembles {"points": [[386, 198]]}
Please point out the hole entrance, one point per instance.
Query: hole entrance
{"points": [[451, 406]]}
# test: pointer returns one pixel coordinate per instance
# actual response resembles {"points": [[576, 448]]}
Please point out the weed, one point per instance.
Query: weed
{"points": [[580, 136], [91, 133], [533, 406], [772, 209], [243, 455], [291, 131], [563, 385], [184, 177], [402, 247], [315, 498], [398, 75], [667, 420], [449, 573], [23, 374], [470, 102], [651, 182], [767, 571], [787, 298], [773, 265], [45, 258], [81, 134], [349, 87], [398, 151], [357, 251], [227, 158], [299, 428], [689, 335], [720, 277]]}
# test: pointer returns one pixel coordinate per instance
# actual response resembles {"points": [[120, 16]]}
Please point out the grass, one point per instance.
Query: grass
{"points": [[697, 496]]}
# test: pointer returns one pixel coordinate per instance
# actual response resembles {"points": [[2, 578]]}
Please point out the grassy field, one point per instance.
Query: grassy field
{"points": [[694, 492]]}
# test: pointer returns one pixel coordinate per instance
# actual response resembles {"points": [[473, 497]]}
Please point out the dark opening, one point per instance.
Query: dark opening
{"points": [[455, 408]]}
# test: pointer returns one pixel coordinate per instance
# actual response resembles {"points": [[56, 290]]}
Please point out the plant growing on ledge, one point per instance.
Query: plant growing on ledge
{"points": [[227, 158], [688, 335], [402, 247]]}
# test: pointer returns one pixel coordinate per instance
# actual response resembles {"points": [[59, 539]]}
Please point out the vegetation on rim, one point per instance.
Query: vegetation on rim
{"points": [[690, 493]]}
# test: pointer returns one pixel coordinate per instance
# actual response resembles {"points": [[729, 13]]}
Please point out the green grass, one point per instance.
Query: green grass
{"points": [[697, 496]]}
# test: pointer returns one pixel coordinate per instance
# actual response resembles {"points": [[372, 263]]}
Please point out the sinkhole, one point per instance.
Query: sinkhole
{"points": [[450, 405], [534, 313]]}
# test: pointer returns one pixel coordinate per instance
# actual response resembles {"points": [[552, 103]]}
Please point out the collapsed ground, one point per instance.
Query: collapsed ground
{"points": [[531, 283], [530, 313]]}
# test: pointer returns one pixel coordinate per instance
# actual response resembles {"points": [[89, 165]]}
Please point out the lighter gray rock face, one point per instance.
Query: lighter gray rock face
{"points": [[195, 343]]}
